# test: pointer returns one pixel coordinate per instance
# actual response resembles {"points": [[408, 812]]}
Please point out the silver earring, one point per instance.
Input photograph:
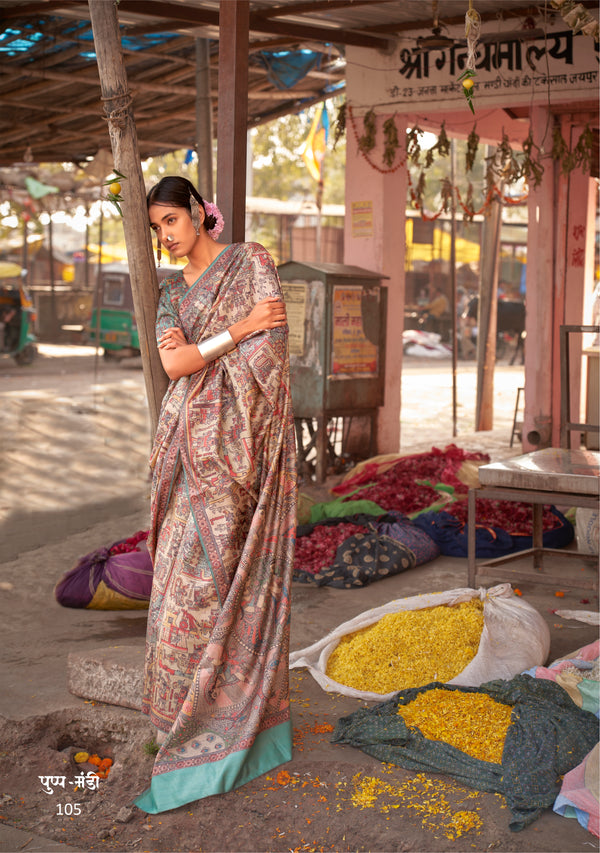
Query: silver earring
{"points": [[195, 212]]}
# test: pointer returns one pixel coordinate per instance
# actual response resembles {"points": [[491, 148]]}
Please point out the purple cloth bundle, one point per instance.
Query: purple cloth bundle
{"points": [[115, 578]]}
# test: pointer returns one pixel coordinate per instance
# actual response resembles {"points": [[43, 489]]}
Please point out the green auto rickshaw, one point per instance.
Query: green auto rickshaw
{"points": [[114, 328], [17, 315]]}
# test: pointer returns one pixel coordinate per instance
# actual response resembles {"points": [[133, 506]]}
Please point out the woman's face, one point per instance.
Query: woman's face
{"points": [[168, 221]]}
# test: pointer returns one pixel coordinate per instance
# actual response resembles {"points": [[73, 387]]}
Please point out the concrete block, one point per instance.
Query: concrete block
{"points": [[112, 674]]}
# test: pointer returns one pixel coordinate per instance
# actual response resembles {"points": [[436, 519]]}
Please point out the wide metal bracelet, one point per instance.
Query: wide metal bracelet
{"points": [[212, 348]]}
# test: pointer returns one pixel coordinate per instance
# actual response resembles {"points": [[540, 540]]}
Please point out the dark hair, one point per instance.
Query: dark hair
{"points": [[176, 190]]}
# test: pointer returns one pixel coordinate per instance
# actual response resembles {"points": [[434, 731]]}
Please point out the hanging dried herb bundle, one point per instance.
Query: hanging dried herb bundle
{"points": [[560, 151], [420, 190], [584, 150], [508, 164], [443, 143], [366, 142], [413, 146], [340, 124], [469, 207], [442, 146], [472, 148], [391, 141], [447, 192], [531, 167]]}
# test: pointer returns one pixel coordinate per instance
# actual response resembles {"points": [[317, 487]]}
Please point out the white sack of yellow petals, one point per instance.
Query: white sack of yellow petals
{"points": [[409, 648], [515, 637]]}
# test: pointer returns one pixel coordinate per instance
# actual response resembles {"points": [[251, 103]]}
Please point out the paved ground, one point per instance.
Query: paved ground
{"points": [[74, 478]]}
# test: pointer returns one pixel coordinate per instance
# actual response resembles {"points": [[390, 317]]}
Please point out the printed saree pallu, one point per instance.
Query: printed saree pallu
{"points": [[222, 539]]}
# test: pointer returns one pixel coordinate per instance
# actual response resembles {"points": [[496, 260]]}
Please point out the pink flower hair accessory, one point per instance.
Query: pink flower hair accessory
{"points": [[212, 210]]}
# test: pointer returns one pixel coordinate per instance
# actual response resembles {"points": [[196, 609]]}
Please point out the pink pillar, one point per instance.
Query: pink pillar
{"points": [[574, 274], [560, 257], [374, 239]]}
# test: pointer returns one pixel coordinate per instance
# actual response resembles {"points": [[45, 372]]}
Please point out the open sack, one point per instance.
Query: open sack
{"points": [[514, 638]]}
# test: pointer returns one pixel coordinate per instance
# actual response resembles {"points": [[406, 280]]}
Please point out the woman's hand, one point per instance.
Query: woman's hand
{"points": [[269, 313], [172, 339]]}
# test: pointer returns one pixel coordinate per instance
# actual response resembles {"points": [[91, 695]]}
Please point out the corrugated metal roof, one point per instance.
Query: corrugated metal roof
{"points": [[50, 92]]}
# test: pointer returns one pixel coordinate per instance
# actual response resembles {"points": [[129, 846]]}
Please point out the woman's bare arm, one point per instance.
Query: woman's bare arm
{"points": [[180, 358]]}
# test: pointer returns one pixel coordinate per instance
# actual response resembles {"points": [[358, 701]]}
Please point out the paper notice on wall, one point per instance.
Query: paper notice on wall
{"points": [[294, 294], [362, 218]]}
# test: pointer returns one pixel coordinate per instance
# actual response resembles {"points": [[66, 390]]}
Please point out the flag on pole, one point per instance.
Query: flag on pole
{"points": [[313, 150]]}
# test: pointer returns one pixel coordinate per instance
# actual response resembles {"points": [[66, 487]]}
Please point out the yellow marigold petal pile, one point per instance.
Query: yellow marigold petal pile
{"points": [[429, 800], [472, 722], [409, 649]]}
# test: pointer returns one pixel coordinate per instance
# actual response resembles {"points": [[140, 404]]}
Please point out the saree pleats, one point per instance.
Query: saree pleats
{"points": [[222, 539]]}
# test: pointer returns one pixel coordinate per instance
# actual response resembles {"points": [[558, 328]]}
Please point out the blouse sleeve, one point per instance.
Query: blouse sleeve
{"points": [[166, 313]]}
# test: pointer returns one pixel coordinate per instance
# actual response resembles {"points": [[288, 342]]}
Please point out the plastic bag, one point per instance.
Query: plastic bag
{"points": [[587, 530], [514, 638]]}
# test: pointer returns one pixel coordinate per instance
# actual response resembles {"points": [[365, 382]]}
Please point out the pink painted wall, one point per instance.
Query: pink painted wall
{"points": [[374, 239], [559, 273]]}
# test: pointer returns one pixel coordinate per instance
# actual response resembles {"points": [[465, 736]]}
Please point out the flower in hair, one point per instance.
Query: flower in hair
{"points": [[212, 210]]}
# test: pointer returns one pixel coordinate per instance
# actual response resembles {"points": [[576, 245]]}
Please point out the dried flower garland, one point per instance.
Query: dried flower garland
{"points": [[505, 166]]}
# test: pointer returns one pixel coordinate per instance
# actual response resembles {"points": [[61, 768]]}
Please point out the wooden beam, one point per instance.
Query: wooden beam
{"points": [[313, 6], [232, 122], [193, 16]]}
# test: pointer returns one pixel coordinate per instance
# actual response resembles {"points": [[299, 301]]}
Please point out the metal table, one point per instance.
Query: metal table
{"points": [[544, 477]]}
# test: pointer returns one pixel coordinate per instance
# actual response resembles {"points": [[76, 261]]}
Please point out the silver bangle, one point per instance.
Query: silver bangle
{"points": [[218, 345]]}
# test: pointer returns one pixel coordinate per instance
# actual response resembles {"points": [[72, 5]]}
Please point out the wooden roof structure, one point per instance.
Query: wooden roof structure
{"points": [[50, 105]]}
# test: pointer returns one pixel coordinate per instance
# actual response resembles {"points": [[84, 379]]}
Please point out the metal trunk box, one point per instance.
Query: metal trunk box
{"points": [[337, 320]]}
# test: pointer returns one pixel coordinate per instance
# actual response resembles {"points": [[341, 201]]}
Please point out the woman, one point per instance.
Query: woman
{"points": [[223, 512]]}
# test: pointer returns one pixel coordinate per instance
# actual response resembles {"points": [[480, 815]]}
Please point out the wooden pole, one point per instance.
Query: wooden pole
{"points": [[453, 284], [204, 120], [123, 140], [232, 121], [487, 318]]}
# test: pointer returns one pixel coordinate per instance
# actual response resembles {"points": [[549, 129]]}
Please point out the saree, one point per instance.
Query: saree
{"points": [[223, 518]]}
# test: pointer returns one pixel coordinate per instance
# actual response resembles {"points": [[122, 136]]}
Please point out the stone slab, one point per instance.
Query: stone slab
{"points": [[112, 674]]}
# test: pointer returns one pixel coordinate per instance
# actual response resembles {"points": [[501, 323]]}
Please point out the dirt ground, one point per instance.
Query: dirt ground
{"points": [[314, 802]]}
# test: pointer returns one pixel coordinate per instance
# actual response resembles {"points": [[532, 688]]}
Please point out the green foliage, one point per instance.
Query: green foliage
{"points": [[278, 170], [151, 747]]}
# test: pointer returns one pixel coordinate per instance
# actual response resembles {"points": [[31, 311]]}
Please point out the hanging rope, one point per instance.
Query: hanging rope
{"points": [[472, 33]]}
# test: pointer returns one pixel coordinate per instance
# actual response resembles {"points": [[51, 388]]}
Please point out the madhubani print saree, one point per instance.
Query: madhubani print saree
{"points": [[222, 539]]}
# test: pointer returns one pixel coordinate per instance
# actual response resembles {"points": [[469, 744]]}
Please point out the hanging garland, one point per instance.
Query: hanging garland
{"points": [[416, 194], [505, 165]]}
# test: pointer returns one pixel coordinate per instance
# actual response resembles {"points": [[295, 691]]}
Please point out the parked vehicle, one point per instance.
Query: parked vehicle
{"points": [[115, 328], [510, 328], [17, 315]]}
